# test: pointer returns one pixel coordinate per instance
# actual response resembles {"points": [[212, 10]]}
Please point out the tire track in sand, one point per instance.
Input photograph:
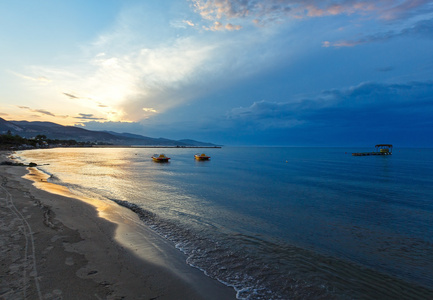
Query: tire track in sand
{"points": [[28, 234]]}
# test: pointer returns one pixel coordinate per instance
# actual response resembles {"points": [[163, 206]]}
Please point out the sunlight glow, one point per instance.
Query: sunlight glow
{"points": [[149, 110]]}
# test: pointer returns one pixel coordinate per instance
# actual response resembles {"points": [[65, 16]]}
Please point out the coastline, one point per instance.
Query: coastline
{"points": [[56, 246], [143, 146]]}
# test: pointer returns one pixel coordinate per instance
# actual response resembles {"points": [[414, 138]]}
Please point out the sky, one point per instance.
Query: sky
{"points": [[244, 72]]}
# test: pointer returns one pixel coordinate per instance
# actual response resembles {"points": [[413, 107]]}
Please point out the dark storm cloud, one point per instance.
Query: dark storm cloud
{"points": [[367, 104], [362, 115]]}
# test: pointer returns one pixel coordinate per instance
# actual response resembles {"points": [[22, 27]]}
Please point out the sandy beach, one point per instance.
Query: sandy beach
{"points": [[56, 246]]}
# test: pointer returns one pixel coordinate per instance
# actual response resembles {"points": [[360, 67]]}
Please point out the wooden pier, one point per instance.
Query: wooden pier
{"points": [[381, 149]]}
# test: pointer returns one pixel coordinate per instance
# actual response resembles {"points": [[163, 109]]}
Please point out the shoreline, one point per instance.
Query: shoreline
{"points": [[54, 245], [143, 146]]}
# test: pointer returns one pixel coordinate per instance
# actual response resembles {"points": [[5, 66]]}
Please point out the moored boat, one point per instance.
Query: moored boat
{"points": [[381, 149], [201, 156], [160, 158]]}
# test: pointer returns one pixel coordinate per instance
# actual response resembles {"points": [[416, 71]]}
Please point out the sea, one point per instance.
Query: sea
{"points": [[275, 222]]}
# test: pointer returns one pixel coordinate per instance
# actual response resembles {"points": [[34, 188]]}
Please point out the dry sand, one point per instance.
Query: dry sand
{"points": [[54, 246]]}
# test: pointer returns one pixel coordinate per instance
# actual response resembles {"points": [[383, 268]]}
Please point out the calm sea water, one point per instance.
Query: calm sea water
{"points": [[276, 223]]}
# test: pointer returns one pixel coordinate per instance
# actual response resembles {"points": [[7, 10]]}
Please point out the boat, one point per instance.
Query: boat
{"points": [[385, 149], [201, 156], [160, 158]]}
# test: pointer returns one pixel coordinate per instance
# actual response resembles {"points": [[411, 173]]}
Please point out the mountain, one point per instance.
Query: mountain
{"points": [[55, 131], [163, 141], [6, 125], [196, 143]]}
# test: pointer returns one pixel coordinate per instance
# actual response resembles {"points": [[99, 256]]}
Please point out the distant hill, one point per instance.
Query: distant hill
{"points": [[55, 131]]}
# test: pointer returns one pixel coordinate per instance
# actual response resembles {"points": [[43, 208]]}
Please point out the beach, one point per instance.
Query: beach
{"points": [[55, 246], [314, 223]]}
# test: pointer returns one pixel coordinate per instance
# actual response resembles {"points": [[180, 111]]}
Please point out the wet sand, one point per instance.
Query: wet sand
{"points": [[56, 246]]}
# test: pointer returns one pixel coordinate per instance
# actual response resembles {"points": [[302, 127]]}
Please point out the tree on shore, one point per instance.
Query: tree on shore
{"points": [[8, 140]]}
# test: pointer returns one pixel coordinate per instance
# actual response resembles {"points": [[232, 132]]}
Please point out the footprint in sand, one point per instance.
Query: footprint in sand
{"points": [[48, 249], [56, 294], [69, 261]]}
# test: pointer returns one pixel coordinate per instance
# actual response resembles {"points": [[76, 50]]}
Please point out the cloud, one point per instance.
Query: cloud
{"points": [[277, 10], [76, 97], [189, 23], [39, 111], [130, 127], [404, 9], [166, 74], [385, 69], [218, 26], [326, 44], [365, 114], [140, 63], [369, 104], [421, 29], [88, 117], [71, 96], [87, 99], [149, 77], [148, 109], [182, 24], [41, 79]]}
